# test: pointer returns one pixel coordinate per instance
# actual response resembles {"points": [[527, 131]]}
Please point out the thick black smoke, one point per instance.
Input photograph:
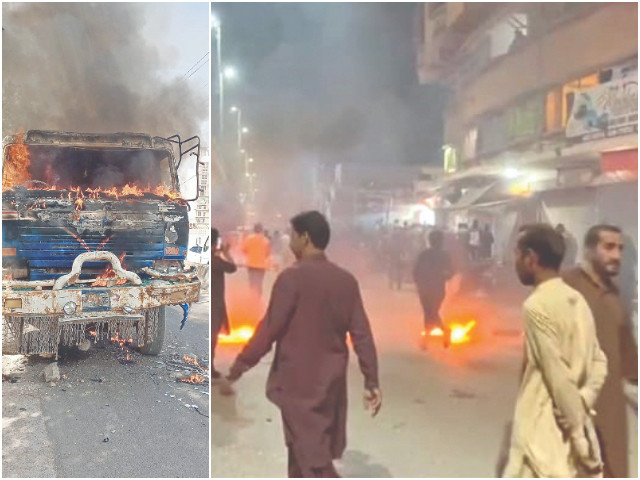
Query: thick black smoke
{"points": [[88, 68]]}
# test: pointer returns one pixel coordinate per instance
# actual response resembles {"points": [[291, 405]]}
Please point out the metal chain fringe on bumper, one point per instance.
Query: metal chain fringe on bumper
{"points": [[43, 334]]}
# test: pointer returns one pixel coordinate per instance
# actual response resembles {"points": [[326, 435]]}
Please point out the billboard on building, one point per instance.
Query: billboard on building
{"points": [[608, 110]]}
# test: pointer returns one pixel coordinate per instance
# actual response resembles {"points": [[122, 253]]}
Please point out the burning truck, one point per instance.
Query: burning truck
{"points": [[94, 238]]}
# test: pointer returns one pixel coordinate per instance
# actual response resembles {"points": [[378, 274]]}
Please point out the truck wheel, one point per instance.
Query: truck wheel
{"points": [[153, 330]]}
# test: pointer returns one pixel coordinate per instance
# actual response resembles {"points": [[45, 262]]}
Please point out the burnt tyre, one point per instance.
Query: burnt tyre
{"points": [[153, 330]]}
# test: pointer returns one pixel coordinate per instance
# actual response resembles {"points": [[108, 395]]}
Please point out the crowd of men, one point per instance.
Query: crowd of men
{"points": [[570, 414]]}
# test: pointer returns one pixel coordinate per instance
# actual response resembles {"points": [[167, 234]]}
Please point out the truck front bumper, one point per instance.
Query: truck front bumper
{"points": [[99, 301]]}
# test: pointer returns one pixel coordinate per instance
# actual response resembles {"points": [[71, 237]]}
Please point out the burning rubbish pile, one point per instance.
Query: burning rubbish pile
{"points": [[458, 332], [188, 370]]}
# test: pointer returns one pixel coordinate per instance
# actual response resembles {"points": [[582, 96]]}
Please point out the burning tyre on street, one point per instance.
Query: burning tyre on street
{"points": [[95, 234]]}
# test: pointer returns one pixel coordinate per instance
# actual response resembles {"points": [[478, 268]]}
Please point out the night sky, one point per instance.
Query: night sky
{"points": [[333, 82]]}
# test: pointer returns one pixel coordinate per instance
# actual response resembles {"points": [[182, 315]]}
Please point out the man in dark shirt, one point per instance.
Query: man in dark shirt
{"points": [[431, 272], [221, 263], [314, 306]]}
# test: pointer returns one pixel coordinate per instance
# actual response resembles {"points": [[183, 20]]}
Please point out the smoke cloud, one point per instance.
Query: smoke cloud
{"points": [[88, 68]]}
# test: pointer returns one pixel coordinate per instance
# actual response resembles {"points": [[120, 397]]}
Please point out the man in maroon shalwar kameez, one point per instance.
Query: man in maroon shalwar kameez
{"points": [[314, 305]]}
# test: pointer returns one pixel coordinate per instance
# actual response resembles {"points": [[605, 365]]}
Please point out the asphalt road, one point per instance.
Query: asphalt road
{"points": [[445, 412], [109, 419]]}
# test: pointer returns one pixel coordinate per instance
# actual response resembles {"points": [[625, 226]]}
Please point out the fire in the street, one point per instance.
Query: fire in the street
{"points": [[102, 280], [194, 378], [193, 361], [237, 336], [459, 332]]}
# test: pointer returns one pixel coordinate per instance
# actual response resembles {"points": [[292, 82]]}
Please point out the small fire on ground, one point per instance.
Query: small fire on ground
{"points": [[238, 336], [194, 361], [194, 379], [459, 332]]}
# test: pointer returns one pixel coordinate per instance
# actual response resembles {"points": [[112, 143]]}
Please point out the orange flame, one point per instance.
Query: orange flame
{"points": [[237, 336], [193, 361], [459, 333], [16, 167], [195, 379], [101, 280]]}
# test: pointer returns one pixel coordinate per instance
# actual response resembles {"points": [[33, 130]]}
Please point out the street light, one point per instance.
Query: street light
{"points": [[230, 73], [251, 160], [216, 26], [245, 130]]}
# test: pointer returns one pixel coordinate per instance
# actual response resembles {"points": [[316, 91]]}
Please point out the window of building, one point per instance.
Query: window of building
{"points": [[553, 111], [509, 34]]}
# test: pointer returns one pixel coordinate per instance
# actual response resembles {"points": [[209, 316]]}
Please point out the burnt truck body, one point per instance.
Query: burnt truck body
{"points": [[94, 239]]}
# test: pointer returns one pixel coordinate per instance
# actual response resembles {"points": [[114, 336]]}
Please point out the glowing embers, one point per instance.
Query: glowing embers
{"points": [[238, 336]]}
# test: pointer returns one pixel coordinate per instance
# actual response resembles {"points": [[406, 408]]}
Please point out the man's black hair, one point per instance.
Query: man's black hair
{"points": [[215, 234], [592, 238], [315, 225], [545, 241]]}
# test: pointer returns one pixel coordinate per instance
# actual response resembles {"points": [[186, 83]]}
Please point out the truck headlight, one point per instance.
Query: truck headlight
{"points": [[70, 307]]}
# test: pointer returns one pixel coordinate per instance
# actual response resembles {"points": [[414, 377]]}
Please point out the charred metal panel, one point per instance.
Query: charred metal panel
{"points": [[49, 233]]}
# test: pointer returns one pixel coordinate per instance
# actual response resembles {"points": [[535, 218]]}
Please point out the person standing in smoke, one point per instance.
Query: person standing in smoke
{"points": [[474, 241], [564, 369], [431, 272], [486, 243], [221, 263], [314, 305], [594, 280], [257, 252]]}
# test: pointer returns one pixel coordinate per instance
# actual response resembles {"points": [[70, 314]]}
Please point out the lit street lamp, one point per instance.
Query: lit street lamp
{"points": [[215, 25], [230, 73]]}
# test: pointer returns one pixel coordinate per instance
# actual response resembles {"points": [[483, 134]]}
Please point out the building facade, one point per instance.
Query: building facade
{"points": [[542, 104]]}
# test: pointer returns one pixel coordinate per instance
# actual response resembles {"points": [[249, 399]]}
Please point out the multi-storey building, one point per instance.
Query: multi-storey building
{"points": [[200, 220], [541, 121]]}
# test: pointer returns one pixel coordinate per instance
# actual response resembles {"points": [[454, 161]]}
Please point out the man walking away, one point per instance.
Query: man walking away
{"points": [[553, 433], [314, 305], [594, 280], [221, 264], [257, 251], [431, 272]]}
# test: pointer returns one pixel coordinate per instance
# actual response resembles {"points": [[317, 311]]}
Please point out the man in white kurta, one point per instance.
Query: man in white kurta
{"points": [[553, 434]]}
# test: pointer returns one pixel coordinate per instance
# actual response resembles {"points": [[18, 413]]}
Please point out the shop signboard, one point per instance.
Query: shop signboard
{"points": [[608, 110]]}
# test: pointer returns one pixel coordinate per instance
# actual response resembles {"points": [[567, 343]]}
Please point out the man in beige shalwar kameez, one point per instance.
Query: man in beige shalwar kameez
{"points": [[553, 433]]}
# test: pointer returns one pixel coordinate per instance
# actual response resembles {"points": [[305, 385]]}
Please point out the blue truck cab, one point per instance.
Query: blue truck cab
{"points": [[94, 239]]}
